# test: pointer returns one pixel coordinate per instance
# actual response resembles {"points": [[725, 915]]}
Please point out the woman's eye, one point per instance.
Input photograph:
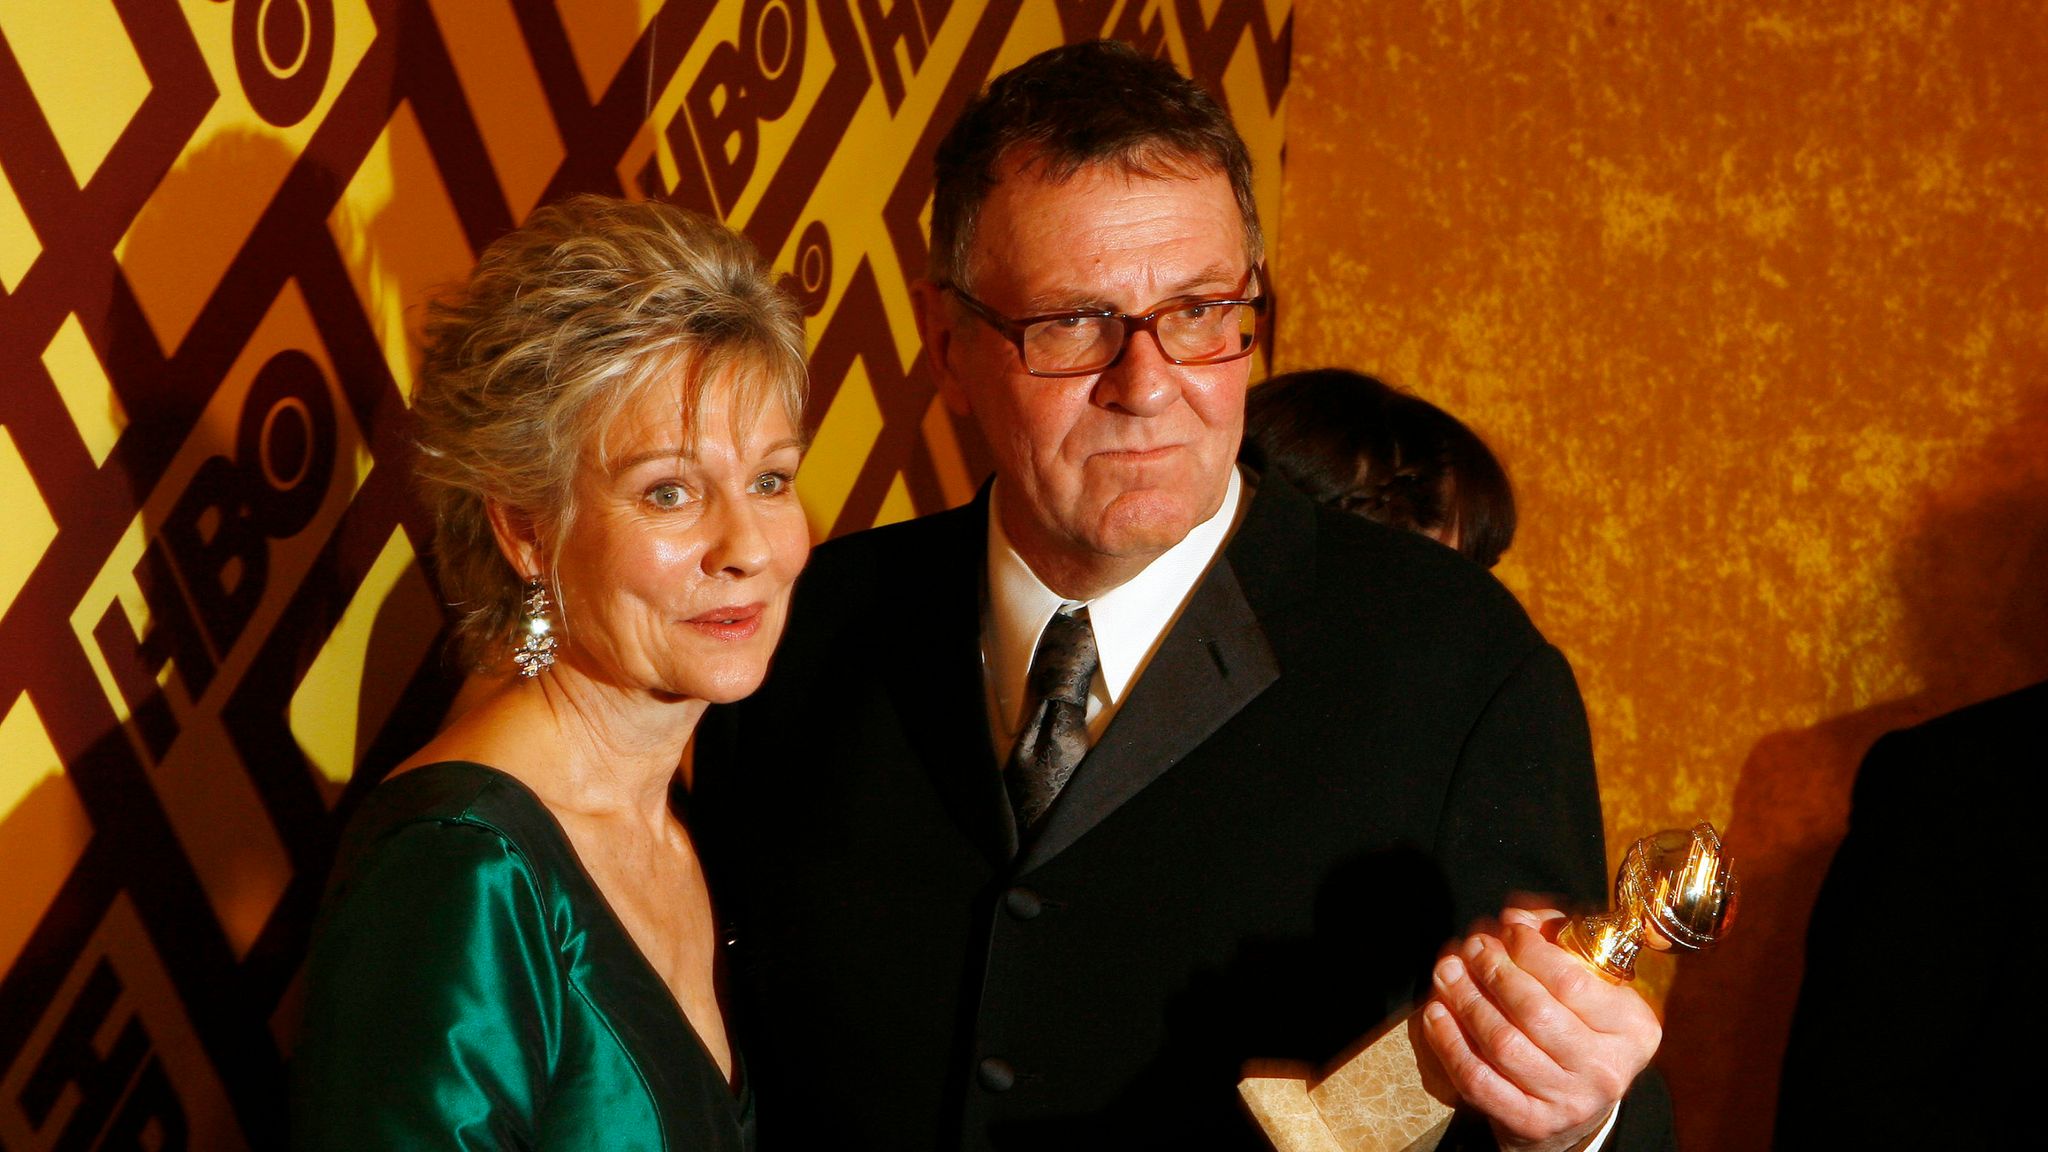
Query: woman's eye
{"points": [[772, 483], [667, 496]]}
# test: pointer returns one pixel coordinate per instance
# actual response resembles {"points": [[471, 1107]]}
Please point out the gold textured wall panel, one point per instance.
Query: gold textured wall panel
{"points": [[1752, 299]]}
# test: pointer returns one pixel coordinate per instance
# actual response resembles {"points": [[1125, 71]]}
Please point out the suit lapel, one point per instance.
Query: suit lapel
{"points": [[1213, 662], [937, 685]]}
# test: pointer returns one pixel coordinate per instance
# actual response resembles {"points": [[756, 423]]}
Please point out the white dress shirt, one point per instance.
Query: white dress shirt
{"points": [[1129, 620]]}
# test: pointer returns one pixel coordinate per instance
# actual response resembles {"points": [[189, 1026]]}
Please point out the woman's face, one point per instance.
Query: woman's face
{"points": [[676, 573]]}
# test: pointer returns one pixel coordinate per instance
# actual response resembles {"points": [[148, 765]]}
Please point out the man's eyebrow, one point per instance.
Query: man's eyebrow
{"points": [[1210, 281], [1217, 279], [1064, 301]]}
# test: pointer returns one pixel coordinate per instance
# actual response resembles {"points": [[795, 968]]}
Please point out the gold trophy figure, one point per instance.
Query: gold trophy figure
{"points": [[1675, 889]]}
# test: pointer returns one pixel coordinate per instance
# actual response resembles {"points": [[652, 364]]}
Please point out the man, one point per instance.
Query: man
{"points": [[1315, 749], [1901, 1031]]}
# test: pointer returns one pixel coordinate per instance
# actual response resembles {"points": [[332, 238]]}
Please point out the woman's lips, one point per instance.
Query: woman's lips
{"points": [[733, 622]]}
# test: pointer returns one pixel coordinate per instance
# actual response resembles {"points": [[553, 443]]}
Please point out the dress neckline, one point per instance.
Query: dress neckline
{"points": [[449, 772]]}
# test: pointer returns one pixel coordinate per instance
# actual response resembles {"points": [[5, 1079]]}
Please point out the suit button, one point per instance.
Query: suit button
{"points": [[1023, 903], [995, 1074]]}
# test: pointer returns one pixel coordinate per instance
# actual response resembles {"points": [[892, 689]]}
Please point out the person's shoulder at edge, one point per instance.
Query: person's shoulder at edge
{"points": [[1938, 767], [1985, 723], [1978, 732]]}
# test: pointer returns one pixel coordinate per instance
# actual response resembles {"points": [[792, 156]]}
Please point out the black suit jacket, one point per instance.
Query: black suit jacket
{"points": [[1910, 1007], [1352, 743]]}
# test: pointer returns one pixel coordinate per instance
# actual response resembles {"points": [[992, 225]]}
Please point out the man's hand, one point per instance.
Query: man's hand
{"points": [[1535, 1037]]}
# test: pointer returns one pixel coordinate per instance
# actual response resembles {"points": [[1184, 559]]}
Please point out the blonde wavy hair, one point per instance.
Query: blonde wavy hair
{"points": [[561, 325]]}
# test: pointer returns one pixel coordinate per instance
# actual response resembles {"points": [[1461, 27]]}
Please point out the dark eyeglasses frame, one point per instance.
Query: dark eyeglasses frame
{"points": [[1012, 328]]}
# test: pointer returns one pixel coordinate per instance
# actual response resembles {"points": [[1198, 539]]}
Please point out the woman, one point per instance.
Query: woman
{"points": [[518, 949], [1356, 444]]}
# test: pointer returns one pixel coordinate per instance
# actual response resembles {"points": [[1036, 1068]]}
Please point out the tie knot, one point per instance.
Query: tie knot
{"points": [[1064, 663]]}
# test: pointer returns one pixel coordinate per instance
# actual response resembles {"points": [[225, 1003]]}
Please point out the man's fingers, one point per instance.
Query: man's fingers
{"points": [[1502, 1010], [1533, 1036], [1538, 1017], [1473, 984], [1474, 1079], [1535, 918], [1589, 1002]]}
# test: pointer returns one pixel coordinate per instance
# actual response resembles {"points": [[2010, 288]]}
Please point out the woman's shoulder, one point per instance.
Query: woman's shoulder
{"points": [[454, 792], [436, 976], [452, 815]]}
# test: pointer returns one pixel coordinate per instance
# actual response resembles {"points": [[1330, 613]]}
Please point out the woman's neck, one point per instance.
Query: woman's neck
{"points": [[584, 748]]}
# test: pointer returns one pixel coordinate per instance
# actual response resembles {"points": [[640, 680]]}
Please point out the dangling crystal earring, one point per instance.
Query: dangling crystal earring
{"points": [[536, 648]]}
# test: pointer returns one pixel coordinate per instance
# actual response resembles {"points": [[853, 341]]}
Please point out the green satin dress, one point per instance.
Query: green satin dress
{"points": [[470, 988]]}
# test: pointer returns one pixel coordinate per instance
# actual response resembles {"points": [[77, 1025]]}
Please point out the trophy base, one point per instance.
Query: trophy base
{"points": [[1388, 1095]]}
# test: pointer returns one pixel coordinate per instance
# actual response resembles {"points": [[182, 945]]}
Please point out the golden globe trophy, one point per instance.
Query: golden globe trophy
{"points": [[1675, 890]]}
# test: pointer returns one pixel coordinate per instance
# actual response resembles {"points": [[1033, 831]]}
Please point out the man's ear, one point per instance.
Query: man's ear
{"points": [[518, 541], [938, 323]]}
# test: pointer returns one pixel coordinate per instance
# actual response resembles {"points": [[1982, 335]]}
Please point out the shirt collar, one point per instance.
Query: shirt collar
{"points": [[1128, 620]]}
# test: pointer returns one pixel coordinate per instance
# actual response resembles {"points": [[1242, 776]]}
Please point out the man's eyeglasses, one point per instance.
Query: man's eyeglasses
{"points": [[1189, 331]]}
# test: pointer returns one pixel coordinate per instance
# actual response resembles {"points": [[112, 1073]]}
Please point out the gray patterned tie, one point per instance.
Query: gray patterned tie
{"points": [[1055, 735]]}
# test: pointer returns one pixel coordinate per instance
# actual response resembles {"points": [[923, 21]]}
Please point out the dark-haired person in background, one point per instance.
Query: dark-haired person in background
{"points": [[1355, 443], [1058, 807]]}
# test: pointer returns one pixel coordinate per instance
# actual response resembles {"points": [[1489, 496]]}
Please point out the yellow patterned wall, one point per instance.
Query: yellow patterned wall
{"points": [[218, 219], [1753, 301]]}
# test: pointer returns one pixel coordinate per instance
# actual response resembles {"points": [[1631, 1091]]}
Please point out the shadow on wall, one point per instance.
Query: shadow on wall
{"points": [[1971, 577], [243, 456], [171, 614]]}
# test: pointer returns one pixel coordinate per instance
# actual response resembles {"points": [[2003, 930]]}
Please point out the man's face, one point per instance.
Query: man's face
{"points": [[1097, 474]]}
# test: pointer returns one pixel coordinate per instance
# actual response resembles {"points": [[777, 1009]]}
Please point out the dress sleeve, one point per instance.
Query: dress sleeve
{"points": [[433, 1000]]}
